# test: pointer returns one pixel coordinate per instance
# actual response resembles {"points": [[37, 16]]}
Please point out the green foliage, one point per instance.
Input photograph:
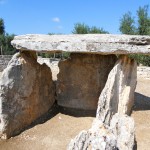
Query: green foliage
{"points": [[127, 24], [143, 21], [142, 27], [2, 27], [5, 41], [65, 55], [50, 33], [141, 59], [62, 55], [96, 30], [5, 44], [46, 55], [81, 28]]}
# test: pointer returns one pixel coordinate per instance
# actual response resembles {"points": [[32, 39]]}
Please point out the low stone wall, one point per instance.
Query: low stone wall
{"points": [[143, 72], [4, 59]]}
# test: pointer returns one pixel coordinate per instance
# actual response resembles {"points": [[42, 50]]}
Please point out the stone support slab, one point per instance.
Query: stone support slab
{"points": [[26, 93], [112, 129], [81, 79]]}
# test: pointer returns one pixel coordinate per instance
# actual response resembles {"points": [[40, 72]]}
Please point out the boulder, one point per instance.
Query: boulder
{"points": [[124, 129], [118, 136], [81, 79], [99, 137], [26, 92]]}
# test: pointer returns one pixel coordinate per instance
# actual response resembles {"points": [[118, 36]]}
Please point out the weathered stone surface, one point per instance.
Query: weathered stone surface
{"points": [[81, 79], [88, 43], [118, 94], [123, 128], [26, 93], [96, 138], [118, 136], [112, 129], [4, 59]]}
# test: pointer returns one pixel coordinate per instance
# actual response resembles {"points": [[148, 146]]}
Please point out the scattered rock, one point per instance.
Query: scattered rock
{"points": [[118, 136]]}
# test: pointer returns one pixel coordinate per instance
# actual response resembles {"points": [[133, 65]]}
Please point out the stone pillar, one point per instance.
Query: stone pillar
{"points": [[82, 78], [26, 93], [118, 93], [112, 128]]}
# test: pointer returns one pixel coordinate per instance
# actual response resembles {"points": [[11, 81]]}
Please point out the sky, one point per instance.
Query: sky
{"points": [[59, 16]]}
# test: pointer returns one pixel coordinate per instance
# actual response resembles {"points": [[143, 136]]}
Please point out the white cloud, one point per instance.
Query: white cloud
{"points": [[56, 19]]}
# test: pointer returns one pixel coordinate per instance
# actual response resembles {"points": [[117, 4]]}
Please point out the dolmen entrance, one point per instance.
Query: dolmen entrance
{"points": [[99, 75]]}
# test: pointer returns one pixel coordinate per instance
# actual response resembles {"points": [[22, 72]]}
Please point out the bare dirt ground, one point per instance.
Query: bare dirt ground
{"points": [[59, 126], [141, 114], [51, 133]]}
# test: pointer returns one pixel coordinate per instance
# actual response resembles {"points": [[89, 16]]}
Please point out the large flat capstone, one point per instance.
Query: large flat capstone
{"points": [[88, 43]]}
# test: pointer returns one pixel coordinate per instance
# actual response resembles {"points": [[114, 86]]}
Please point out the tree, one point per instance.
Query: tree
{"points": [[2, 43], [141, 27], [97, 30], [5, 41], [81, 28], [2, 27], [8, 48], [143, 21], [5, 44], [127, 24]]}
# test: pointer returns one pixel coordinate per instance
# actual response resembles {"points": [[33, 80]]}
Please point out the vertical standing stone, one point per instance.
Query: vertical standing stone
{"points": [[82, 78], [118, 94], [26, 93], [112, 128]]}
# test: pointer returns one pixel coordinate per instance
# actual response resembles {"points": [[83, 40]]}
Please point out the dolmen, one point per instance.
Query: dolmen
{"points": [[98, 75]]}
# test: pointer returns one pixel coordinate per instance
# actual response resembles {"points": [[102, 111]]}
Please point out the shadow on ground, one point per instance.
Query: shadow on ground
{"points": [[56, 110], [142, 102], [77, 112]]}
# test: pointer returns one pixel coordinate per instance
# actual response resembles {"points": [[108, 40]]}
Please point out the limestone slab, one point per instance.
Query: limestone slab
{"points": [[81, 79], [112, 128], [118, 93], [88, 43], [26, 93]]}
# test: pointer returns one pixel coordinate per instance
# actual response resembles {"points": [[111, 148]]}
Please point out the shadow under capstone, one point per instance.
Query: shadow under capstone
{"points": [[56, 110]]}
